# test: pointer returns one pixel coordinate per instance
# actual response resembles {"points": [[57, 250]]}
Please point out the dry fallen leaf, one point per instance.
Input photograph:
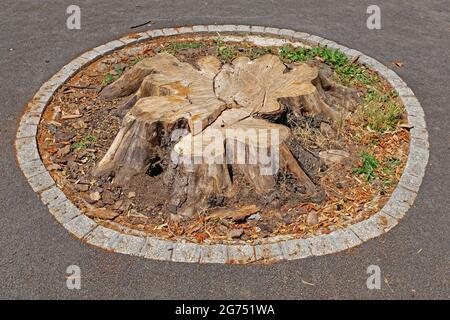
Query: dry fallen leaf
{"points": [[101, 213], [397, 64], [308, 283], [201, 237]]}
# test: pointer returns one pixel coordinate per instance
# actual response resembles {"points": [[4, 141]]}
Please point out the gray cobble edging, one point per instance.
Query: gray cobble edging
{"points": [[279, 248]]}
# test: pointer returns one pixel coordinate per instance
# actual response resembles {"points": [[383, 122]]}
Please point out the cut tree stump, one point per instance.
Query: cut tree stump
{"points": [[208, 124]]}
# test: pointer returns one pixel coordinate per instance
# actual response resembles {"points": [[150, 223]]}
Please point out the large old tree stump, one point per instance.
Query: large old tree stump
{"points": [[206, 124]]}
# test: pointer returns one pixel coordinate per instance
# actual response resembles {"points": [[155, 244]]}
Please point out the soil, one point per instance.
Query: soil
{"points": [[78, 128]]}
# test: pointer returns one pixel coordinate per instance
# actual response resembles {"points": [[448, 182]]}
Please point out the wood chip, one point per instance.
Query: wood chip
{"points": [[236, 214], [101, 213]]}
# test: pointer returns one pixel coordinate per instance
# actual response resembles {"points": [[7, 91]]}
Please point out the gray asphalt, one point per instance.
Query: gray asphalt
{"points": [[35, 250]]}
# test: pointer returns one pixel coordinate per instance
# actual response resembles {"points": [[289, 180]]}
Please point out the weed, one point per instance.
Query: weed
{"points": [[332, 57], [84, 143], [78, 145], [367, 167], [346, 72], [136, 60], [109, 78], [379, 112], [176, 47], [256, 52], [349, 74], [225, 53], [390, 165]]}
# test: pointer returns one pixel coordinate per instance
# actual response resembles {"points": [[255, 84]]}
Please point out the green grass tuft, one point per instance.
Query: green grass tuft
{"points": [[176, 47], [380, 112], [346, 72], [109, 78], [224, 52], [368, 165], [84, 143]]}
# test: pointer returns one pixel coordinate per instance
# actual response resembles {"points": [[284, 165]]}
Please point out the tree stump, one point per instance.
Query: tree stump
{"points": [[207, 124]]}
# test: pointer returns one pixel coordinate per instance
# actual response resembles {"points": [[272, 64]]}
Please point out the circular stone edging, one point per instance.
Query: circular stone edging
{"points": [[270, 249]]}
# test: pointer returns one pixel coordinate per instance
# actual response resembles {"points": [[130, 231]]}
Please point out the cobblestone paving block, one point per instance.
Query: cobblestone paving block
{"points": [[64, 211], [273, 31], [200, 28], [336, 46], [383, 221], [27, 150], [419, 143], [371, 63], [91, 55], [416, 121], [59, 78], [296, 249], [31, 118], [170, 31], [102, 237], [418, 133], [78, 63], [214, 253], [80, 226], [302, 36], [257, 29], [287, 33], [243, 28], [410, 181], [184, 30], [403, 195], [412, 105], [36, 106], [325, 43], [366, 230], [315, 40], [325, 244], [128, 244], [241, 254], [41, 181], [345, 239], [215, 28], [229, 28], [32, 168], [374, 226], [417, 155], [269, 252], [103, 49], [44, 95], [404, 91], [53, 196], [26, 130], [353, 54], [157, 249], [155, 33], [186, 252], [395, 209]]}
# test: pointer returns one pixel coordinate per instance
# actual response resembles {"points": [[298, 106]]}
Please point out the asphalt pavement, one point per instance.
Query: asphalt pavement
{"points": [[35, 250]]}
